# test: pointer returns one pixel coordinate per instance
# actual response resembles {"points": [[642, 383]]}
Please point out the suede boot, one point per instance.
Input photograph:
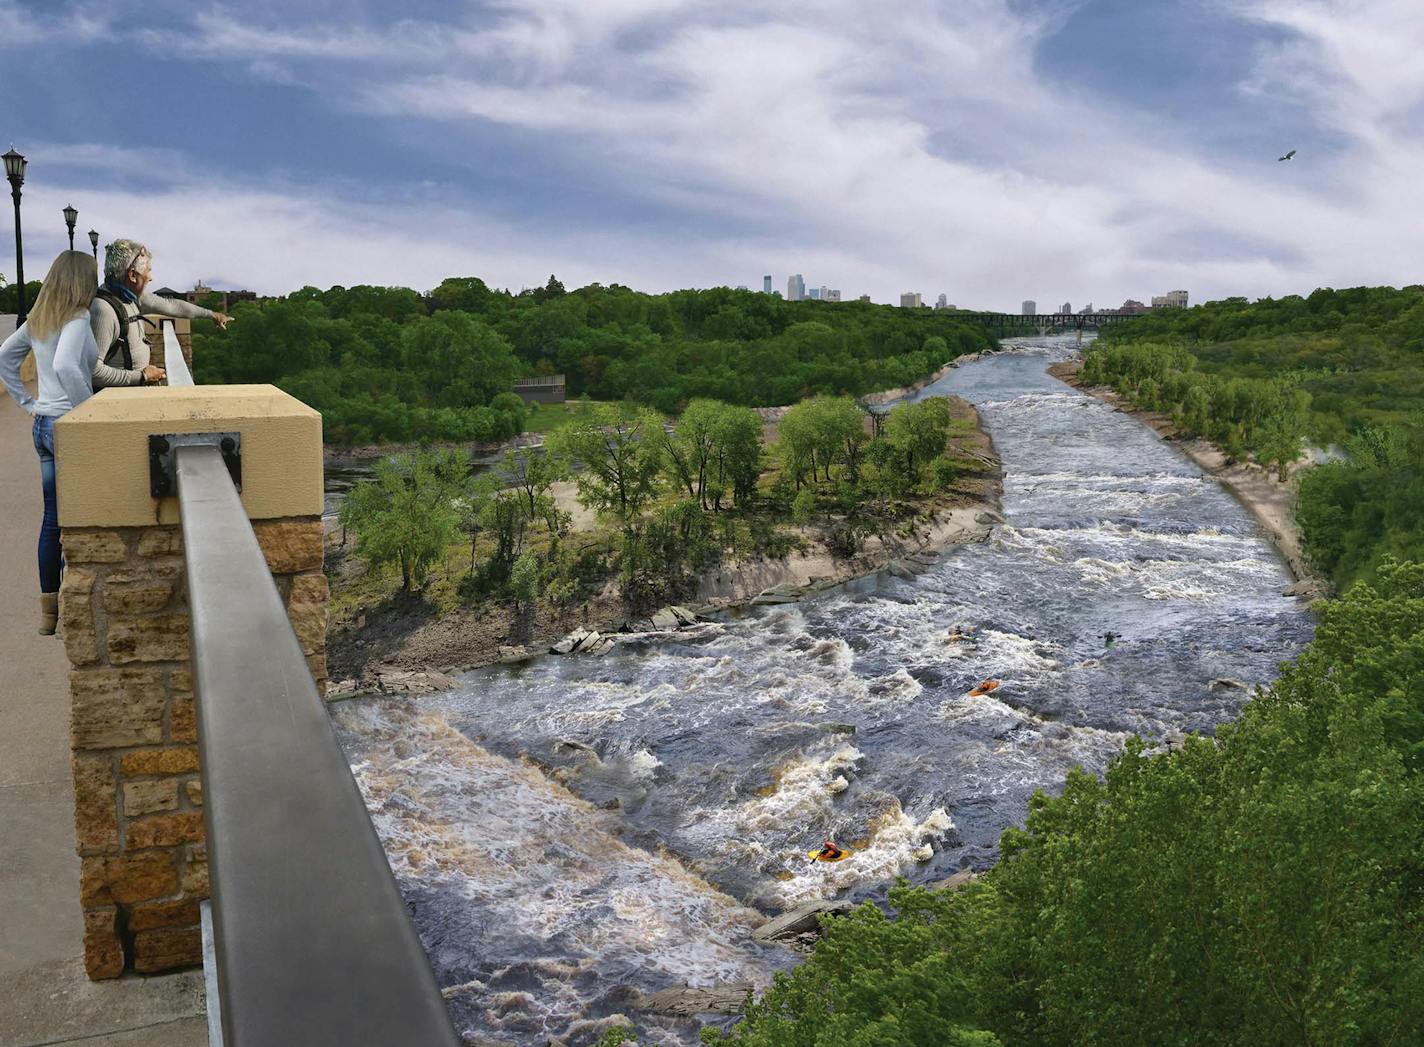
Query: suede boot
{"points": [[49, 613]]}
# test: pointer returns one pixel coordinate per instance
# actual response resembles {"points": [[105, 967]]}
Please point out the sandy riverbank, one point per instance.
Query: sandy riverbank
{"points": [[1269, 500]]}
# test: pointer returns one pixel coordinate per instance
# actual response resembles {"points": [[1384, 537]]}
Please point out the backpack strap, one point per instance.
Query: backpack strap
{"points": [[122, 342]]}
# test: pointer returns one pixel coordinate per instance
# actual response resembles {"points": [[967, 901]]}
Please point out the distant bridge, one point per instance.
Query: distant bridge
{"points": [[1044, 322]]}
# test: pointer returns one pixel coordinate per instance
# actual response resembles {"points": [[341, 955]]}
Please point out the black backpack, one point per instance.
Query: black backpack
{"points": [[122, 342]]}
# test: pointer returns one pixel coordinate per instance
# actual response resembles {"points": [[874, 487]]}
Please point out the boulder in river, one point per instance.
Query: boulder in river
{"points": [[773, 597], [1308, 589], [665, 620], [958, 880], [803, 918], [569, 643], [1226, 683], [687, 1001], [414, 684]]}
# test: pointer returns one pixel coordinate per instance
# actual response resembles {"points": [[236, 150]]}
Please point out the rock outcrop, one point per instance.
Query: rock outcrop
{"points": [[804, 919]]}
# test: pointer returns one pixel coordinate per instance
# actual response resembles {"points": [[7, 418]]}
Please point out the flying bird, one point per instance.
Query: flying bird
{"points": [[1288, 156]]}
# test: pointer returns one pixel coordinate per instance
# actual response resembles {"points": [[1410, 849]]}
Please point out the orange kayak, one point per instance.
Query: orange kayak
{"points": [[984, 688]]}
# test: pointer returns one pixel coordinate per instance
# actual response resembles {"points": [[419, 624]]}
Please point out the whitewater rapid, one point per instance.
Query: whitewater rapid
{"points": [[576, 831]]}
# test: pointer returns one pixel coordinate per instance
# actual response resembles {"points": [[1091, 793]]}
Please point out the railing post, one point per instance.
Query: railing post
{"points": [[124, 614]]}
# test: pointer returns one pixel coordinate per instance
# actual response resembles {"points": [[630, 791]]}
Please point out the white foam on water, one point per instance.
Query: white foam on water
{"points": [[896, 688], [801, 793], [505, 846], [894, 842]]}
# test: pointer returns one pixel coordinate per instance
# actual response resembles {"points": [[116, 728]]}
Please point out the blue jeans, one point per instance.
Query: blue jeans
{"points": [[51, 557]]}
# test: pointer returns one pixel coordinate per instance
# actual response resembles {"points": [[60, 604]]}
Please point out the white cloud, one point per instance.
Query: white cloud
{"points": [[880, 147]]}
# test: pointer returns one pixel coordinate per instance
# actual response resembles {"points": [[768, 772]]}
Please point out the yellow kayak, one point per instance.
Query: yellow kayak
{"points": [[815, 856]]}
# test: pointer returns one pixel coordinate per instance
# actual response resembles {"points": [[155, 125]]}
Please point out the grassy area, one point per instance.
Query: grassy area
{"points": [[545, 418]]}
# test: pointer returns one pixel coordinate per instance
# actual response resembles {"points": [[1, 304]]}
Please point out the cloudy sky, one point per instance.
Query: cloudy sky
{"points": [[992, 150]]}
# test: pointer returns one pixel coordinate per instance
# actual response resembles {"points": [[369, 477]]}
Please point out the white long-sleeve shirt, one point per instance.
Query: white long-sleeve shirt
{"points": [[64, 362], [106, 329]]}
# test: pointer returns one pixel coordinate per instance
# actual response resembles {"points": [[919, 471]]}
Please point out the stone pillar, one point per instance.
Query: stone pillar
{"points": [[124, 617]]}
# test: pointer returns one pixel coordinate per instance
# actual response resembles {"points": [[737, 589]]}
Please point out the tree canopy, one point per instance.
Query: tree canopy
{"points": [[388, 364]]}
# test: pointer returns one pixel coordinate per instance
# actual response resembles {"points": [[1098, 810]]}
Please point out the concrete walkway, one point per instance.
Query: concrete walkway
{"points": [[45, 997]]}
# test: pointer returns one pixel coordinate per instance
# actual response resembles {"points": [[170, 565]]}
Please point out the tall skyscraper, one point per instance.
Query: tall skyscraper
{"points": [[1030, 307], [766, 285], [942, 302], [795, 288], [910, 300], [814, 294], [1066, 308]]}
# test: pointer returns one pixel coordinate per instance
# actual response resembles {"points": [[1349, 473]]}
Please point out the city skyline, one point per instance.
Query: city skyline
{"points": [[403, 146]]}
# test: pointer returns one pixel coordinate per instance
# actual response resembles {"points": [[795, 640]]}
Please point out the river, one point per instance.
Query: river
{"points": [[551, 881]]}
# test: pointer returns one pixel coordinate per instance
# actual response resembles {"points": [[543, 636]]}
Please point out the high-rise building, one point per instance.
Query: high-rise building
{"points": [[1086, 310], [1030, 307], [766, 285], [832, 294], [910, 300], [795, 288], [1170, 300], [863, 298], [814, 294], [942, 302], [1066, 309]]}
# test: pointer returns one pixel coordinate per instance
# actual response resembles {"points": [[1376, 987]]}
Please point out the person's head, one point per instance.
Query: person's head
{"points": [[129, 263], [68, 289]]}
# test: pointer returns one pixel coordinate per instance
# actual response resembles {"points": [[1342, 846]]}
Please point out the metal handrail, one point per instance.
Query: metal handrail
{"points": [[313, 943]]}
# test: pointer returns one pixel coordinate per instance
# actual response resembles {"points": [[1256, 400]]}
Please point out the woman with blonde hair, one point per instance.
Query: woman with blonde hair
{"points": [[57, 332]]}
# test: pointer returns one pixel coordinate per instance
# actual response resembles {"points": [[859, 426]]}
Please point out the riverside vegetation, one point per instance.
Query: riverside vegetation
{"points": [[1338, 369], [386, 364]]}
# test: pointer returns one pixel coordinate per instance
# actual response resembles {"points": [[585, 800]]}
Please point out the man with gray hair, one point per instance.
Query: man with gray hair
{"points": [[114, 316]]}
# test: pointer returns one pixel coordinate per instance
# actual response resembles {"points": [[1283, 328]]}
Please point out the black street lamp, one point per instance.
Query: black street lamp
{"points": [[94, 242], [70, 215], [15, 171]]}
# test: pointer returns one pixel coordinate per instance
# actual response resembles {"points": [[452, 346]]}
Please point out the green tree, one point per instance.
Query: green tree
{"points": [[917, 433], [407, 513], [524, 581], [618, 447], [533, 473]]}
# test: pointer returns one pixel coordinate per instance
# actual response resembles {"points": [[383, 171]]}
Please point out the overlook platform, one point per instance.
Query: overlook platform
{"points": [[45, 997]]}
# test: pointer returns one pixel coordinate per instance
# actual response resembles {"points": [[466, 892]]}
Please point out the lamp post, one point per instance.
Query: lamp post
{"points": [[70, 215], [94, 242], [15, 171]]}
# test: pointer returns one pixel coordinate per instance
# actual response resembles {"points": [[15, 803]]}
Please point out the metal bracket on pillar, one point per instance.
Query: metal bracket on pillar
{"points": [[163, 453]]}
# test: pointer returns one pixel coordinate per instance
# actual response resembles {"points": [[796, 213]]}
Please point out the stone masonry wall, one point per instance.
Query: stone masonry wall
{"points": [[133, 732]]}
